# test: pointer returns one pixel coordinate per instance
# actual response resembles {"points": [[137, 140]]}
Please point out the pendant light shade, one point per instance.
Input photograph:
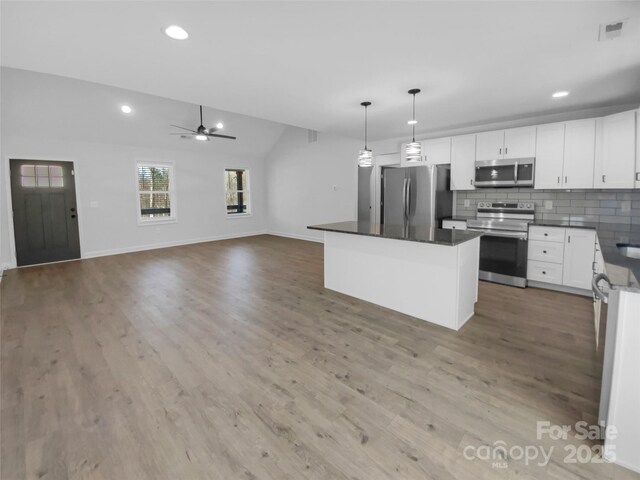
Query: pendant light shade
{"points": [[413, 150], [365, 157]]}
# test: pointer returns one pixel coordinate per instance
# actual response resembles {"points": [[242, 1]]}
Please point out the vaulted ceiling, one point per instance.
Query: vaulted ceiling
{"points": [[310, 64]]}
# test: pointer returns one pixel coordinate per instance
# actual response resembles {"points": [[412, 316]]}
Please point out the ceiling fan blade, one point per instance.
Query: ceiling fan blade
{"points": [[217, 135], [184, 128], [181, 133]]}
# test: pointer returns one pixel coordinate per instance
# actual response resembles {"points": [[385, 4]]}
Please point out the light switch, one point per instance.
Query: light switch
{"points": [[466, 202], [548, 204]]}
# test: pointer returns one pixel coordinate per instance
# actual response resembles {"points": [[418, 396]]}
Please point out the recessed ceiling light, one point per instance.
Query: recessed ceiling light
{"points": [[126, 109], [219, 125], [202, 138], [176, 32], [561, 94], [412, 122]]}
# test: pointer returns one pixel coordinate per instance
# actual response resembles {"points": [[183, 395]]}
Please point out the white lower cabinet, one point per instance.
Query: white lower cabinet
{"points": [[561, 256], [579, 254], [454, 224]]}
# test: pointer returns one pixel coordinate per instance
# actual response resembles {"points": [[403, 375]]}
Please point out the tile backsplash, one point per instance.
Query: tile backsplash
{"points": [[621, 207]]}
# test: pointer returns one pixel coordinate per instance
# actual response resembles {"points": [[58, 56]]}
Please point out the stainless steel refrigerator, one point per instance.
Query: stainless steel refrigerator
{"points": [[417, 196]]}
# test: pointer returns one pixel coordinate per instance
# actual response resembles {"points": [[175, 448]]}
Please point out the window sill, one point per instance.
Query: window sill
{"points": [[238, 215], [145, 223]]}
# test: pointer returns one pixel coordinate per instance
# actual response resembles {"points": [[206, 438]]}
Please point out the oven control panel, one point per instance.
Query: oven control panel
{"points": [[523, 206]]}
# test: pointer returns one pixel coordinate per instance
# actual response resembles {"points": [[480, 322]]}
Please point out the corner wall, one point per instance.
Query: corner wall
{"points": [[310, 182]]}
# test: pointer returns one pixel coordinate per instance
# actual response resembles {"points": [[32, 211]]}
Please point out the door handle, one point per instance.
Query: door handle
{"points": [[604, 178], [515, 171], [404, 198], [408, 209]]}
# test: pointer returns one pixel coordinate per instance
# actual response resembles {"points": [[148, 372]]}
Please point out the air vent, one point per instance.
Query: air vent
{"points": [[312, 136], [609, 31]]}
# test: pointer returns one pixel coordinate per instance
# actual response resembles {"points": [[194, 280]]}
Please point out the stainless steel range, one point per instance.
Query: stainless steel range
{"points": [[503, 247]]}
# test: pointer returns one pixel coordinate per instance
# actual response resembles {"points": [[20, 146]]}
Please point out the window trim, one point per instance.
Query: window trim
{"points": [[172, 194], [249, 212]]}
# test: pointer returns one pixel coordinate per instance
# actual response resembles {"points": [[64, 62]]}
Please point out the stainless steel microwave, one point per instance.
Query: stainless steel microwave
{"points": [[505, 172]]}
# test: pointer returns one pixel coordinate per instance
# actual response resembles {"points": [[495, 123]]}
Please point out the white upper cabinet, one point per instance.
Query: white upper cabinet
{"points": [[519, 142], [437, 151], [615, 163], [463, 159], [579, 153], [638, 149], [489, 145], [511, 143], [549, 156]]}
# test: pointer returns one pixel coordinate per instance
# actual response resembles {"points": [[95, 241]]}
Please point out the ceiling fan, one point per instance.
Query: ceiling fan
{"points": [[201, 133]]}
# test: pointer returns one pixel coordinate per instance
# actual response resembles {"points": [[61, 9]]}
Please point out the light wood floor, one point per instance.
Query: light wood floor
{"points": [[229, 360]]}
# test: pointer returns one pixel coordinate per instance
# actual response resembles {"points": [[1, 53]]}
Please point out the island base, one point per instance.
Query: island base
{"points": [[436, 283]]}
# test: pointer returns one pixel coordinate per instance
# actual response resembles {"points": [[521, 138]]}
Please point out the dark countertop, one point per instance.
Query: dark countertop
{"points": [[398, 232]]}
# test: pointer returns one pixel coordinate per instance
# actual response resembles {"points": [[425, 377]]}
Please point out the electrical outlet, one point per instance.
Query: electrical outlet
{"points": [[625, 206], [466, 202], [548, 204]]}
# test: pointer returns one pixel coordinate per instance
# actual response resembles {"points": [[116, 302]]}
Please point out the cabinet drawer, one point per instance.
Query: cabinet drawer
{"points": [[544, 272], [454, 224], [546, 234], [546, 251]]}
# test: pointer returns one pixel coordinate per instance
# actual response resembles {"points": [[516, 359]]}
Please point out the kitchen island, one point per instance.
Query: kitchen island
{"points": [[428, 273]]}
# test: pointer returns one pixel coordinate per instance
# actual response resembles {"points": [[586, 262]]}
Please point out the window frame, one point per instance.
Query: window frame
{"points": [[247, 190], [173, 218]]}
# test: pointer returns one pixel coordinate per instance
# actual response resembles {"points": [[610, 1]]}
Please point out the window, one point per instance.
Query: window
{"points": [[156, 198], [236, 181], [43, 176]]}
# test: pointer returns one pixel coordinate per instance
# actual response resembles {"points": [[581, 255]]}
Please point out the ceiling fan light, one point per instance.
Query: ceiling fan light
{"points": [[412, 122], [365, 158], [176, 32], [219, 125], [201, 137], [413, 152]]}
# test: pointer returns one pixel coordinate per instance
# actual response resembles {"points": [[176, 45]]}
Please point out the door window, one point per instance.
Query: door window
{"points": [[43, 176]]}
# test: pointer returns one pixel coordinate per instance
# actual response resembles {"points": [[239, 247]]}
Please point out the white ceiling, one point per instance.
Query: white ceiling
{"points": [[310, 64], [47, 106]]}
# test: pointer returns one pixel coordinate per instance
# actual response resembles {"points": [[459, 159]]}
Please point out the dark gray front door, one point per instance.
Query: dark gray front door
{"points": [[45, 218]]}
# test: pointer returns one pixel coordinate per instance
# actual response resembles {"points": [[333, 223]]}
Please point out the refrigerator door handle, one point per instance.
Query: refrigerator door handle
{"points": [[408, 208], [404, 198]]}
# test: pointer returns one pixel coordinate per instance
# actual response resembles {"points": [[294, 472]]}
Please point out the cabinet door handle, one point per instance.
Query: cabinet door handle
{"points": [[500, 151], [506, 150], [544, 251], [544, 273], [569, 239], [471, 181], [558, 180], [638, 176], [546, 234], [566, 179], [604, 178]]}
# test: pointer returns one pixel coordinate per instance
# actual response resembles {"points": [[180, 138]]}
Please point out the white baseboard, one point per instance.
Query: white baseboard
{"points": [[308, 238], [155, 246], [559, 288]]}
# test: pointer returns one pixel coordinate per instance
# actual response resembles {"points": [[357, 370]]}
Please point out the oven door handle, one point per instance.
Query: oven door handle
{"points": [[500, 233]]}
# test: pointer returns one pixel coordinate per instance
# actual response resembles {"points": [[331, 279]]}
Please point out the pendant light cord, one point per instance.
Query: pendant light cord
{"points": [[365, 127], [414, 119]]}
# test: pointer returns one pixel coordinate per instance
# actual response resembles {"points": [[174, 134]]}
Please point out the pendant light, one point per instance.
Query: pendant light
{"points": [[365, 158], [413, 150]]}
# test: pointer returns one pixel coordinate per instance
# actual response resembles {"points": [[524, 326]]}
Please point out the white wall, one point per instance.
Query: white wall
{"points": [[106, 174], [310, 183]]}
